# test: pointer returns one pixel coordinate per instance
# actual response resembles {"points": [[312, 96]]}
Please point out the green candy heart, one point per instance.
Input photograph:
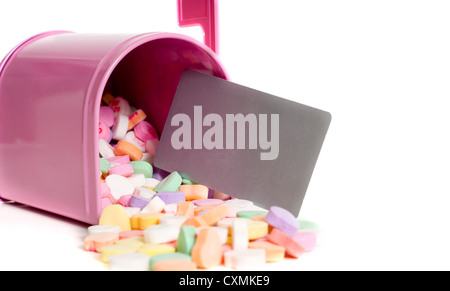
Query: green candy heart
{"points": [[170, 183], [142, 167], [186, 239], [104, 166]]}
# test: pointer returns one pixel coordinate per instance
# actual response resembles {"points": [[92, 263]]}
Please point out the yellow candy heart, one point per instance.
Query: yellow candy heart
{"points": [[115, 215]]}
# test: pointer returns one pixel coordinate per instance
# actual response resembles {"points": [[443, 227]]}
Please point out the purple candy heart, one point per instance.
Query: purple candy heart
{"points": [[171, 197], [283, 220], [138, 201], [159, 174]]}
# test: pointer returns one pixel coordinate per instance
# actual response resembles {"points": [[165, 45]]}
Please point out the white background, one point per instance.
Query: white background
{"points": [[380, 192]]}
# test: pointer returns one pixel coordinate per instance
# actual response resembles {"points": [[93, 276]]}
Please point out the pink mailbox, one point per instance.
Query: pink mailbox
{"points": [[51, 87]]}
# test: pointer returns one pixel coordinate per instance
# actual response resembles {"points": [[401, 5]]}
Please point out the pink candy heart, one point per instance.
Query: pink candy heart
{"points": [[145, 131]]}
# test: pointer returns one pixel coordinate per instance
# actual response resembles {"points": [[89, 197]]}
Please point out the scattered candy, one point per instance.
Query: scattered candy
{"points": [[145, 192], [115, 215], [104, 132], [185, 208], [201, 209], [120, 159], [145, 131], [125, 148], [307, 239], [293, 248], [215, 214], [107, 116], [207, 250], [155, 220], [154, 249], [144, 220], [136, 241], [119, 128], [116, 249], [151, 183], [125, 170], [283, 220], [155, 205], [250, 213], [203, 202], [137, 116], [104, 149], [139, 201], [196, 221], [131, 138], [141, 167], [138, 180], [120, 106], [170, 209], [161, 233], [223, 233], [257, 229], [131, 210], [119, 185], [175, 220], [186, 239], [274, 253], [169, 183], [239, 235], [131, 233], [104, 166], [103, 228], [239, 204], [171, 197], [94, 242], [194, 192]]}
